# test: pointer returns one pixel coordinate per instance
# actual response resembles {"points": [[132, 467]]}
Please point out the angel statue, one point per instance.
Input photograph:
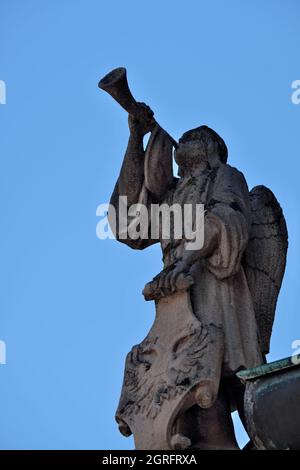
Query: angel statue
{"points": [[214, 305]]}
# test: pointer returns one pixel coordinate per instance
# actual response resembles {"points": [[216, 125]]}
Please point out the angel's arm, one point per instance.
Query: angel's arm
{"points": [[130, 181]]}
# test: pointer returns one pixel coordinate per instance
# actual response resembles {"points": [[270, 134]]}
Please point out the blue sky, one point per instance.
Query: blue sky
{"points": [[71, 305]]}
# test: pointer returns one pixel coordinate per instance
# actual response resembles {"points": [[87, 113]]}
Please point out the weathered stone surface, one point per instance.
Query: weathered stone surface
{"points": [[215, 304], [170, 371]]}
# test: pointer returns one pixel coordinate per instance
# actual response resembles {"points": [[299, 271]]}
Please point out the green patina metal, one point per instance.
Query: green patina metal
{"points": [[271, 368]]}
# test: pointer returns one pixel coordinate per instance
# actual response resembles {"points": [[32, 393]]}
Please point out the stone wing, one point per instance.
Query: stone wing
{"points": [[265, 258]]}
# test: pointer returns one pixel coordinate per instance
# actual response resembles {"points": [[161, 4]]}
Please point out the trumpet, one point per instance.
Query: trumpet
{"points": [[115, 84]]}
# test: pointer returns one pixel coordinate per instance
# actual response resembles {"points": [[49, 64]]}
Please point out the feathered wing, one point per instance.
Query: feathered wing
{"points": [[265, 258]]}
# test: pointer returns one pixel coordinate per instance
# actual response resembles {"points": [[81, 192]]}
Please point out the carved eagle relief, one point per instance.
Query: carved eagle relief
{"points": [[265, 258], [174, 369]]}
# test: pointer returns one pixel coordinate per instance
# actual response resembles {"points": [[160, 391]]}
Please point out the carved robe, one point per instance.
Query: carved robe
{"points": [[220, 296]]}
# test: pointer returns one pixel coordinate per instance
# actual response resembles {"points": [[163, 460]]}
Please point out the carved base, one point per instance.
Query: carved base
{"points": [[177, 366]]}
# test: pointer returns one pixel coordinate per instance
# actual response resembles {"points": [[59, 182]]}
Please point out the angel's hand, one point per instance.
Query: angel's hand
{"points": [[168, 279], [142, 126], [172, 279]]}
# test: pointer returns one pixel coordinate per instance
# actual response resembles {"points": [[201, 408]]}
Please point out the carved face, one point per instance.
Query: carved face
{"points": [[197, 146]]}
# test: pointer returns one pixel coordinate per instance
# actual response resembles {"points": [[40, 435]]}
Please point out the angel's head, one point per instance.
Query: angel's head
{"points": [[200, 145]]}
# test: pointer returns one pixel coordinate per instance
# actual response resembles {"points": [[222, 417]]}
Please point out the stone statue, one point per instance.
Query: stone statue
{"points": [[214, 305]]}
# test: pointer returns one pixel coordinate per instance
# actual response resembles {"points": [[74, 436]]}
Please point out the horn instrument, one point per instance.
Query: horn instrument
{"points": [[115, 84]]}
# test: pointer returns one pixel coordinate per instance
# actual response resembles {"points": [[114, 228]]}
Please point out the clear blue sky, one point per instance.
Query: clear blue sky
{"points": [[71, 305]]}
